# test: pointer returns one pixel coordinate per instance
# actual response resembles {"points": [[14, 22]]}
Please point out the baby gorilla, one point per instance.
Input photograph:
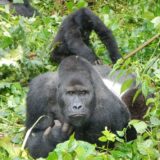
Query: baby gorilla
{"points": [[73, 37], [74, 99]]}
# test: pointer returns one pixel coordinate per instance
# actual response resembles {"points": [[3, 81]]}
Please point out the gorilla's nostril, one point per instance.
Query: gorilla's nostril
{"points": [[74, 107], [77, 107]]}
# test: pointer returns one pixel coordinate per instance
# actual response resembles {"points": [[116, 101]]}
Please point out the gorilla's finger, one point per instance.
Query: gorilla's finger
{"points": [[65, 127], [57, 123], [57, 127], [46, 132]]}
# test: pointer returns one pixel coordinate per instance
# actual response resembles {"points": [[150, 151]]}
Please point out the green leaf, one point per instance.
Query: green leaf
{"points": [[148, 15], [109, 136], [6, 42], [120, 133], [4, 85], [117, 154], [119, 139], [155, 121], [102, 139], [145, 89], [18, 1], [126, 85], [67, 156], [82, 3], [140, 127], [150, 101], [70, 5], [136, 95], [145, 147]]}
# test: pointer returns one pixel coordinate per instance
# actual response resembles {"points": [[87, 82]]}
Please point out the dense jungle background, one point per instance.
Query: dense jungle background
{"points": [[24, 53]]}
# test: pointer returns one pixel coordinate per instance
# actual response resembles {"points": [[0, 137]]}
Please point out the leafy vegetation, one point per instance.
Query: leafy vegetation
{"points": [[24, 53]]}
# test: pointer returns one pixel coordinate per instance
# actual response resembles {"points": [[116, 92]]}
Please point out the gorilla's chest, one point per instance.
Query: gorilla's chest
{"points": [[90, 133]]}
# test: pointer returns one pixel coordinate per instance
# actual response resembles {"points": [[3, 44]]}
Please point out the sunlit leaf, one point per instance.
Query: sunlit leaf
{"points": [[156, 21], [126, 85], [140, 127]]}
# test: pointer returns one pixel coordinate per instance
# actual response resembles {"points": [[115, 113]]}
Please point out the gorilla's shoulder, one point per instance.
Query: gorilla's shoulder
{"points": [[44, 80]]}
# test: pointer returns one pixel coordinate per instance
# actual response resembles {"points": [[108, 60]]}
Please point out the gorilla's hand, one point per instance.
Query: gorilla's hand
{"points": [[59, 132], [44, 123]]}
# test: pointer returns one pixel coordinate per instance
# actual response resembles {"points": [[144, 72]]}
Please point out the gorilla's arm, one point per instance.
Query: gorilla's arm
{"points": [[41, 101], [40, 143], [104, 34], [73, 37], [77, 46]]}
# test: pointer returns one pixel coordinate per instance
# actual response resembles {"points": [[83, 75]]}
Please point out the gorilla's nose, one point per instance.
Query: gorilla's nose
{"points": [[77, 107]]}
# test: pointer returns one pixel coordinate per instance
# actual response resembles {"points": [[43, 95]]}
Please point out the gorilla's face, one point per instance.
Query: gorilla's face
{"points": [[77, 100]]}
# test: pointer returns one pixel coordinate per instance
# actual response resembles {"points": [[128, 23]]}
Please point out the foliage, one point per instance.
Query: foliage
{"points": [[73, 149], [25, 44]]}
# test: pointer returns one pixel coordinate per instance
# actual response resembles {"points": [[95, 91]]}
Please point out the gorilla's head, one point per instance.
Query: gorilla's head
{"points": [[76, 96]]}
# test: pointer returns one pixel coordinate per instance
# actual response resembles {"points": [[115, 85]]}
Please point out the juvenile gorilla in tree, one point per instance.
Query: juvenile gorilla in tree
{"points": [[74, 99], [73, 37], [23, 9]]}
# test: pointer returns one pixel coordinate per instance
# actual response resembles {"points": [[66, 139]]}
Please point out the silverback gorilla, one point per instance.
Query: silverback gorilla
{"points": [[73, 99], [23, 9], [73, 37], [114, 82]]}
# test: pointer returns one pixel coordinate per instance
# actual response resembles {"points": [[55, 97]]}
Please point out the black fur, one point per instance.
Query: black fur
{"points": [[72, 99], [73, 37]]}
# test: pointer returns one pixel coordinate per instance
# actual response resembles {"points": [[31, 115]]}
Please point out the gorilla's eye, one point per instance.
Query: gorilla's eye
{"points": [[70, 92], [83, 92]]}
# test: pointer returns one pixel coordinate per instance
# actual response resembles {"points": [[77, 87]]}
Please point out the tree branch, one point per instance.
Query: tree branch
{"points": [[141, 47]]}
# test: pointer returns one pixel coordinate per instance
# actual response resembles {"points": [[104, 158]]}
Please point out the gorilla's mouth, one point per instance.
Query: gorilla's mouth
{"points": [[77, 115], [77, 119]]}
